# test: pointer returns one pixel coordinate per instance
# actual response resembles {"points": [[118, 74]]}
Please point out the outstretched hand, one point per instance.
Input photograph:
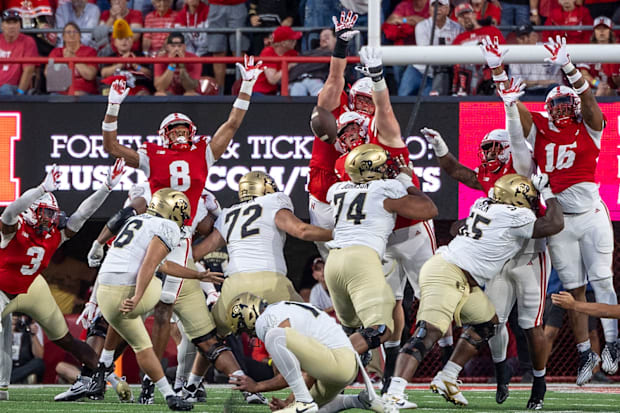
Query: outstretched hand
{"points": [[115, 173], [52, 179], [345, 25], [118, 91], [559, 53], [491, 52], [510, 94]]}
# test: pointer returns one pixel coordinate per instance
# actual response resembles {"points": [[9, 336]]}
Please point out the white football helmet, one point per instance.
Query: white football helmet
{"points": [[494, 149], [43, 214], [563, 106], [179, 143], [345, 120], [362, 87]]}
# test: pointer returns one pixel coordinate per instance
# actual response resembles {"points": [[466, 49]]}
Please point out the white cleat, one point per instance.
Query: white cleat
{"points": [[448, 388], [299, 407], [376, 404], [397, 402]]}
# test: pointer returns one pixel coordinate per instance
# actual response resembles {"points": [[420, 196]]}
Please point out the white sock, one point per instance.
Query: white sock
{"points": [[287, 363], [164, 387], [391, 344], [238, 373], [585, 346], [498, 344], [397, 386], [113, 379], [107, 357], [342, 402], [452, 370], [194, 379], [445, 341], [539, 373]]}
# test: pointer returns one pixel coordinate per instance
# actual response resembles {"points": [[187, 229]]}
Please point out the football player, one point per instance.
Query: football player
{"points": [[567, 142], [451, 281], [523, 278], [364, 211], [181, 164], [127, 288], [254, 231], [31, 232], [301, 338]]}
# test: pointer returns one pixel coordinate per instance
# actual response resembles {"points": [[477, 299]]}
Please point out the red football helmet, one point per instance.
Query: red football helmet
{"points": [[494, 149], [349, 140], [43, 214], [362, 88], [177, 142], [563, 106]]}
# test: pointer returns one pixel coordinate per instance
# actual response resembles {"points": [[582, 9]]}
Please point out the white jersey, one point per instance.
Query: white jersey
{"points": [[305, 319], [493, 234], [254, 242], [121, 264], [359, 214]]}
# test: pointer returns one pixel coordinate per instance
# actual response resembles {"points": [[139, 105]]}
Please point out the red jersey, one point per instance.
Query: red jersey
{"points": [[568, 156], [26, 255], [580, 16], [185, 171], [79, 83], [23, 46], [474, 37], [321, 175], [487, 178]]}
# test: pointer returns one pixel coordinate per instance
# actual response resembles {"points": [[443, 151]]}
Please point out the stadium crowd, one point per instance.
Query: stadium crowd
{"points": [[108, 28]]}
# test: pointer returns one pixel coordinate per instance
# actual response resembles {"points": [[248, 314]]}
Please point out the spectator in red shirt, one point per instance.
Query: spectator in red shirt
{"points": [[84, 78], [194, 14], [162, 17], [603, 77], [119, 10], [400, 25], [15, 78], [487, 12], [472, 79], [570, 15], [284, 40], [177, 78]]}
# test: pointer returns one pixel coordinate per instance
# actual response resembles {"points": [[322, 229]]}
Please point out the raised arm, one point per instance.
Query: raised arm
{"points": [[226, 131], [288, 222], [448, 162], [118, 92]]}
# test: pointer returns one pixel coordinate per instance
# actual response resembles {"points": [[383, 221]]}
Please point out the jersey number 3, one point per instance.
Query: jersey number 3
{"points": [[37, 254]]}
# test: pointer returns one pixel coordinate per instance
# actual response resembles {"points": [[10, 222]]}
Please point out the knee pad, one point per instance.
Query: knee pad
{"points": [[98, 328], [415, 346], [214, 351], [116, 222], [485, 331], [604, 290], [372, 336]]}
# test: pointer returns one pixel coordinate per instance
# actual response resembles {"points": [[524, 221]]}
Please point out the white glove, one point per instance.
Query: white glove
{"points": [[434, 138], [118, 92], [557, 48], [344, 26], [491, 53], [541, 183], [511, 94], [52, 179], [249, 73], [95, 255], [88, 315], [212, 298], [371, 56], [211, 202], [115, 173]]}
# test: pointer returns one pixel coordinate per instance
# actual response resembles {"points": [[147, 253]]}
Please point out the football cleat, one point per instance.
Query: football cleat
{"points": [[299, 407], [375, 405], [77, 390], [96, 390], [396, 402], [448, 388], [147, 394], [535, 404], [178, 404], [503, 374], [123, 391], [4, 393], [539, 388], [609, 356], [254, 398], [193, 393], [587, 361]]}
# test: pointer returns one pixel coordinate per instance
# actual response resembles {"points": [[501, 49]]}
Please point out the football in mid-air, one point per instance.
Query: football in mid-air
{"points": [[323, 124]]}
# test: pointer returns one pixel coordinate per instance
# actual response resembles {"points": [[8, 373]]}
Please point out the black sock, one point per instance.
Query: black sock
{"points": [[501, 372], [391, 354], [86, 371]]}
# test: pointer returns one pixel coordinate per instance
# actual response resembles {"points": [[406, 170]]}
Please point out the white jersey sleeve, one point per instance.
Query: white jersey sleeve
{"points": [[306, 319], [359, 215], [493, 234], [254, 242], [144, 163]]}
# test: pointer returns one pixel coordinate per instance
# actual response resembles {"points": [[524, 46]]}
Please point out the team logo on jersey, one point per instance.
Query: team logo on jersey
{"points": [[161, 152]]}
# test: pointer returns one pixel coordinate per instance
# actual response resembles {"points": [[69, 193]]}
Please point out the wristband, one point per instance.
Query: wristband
{"points": [[404, 20], [113, 109], [534, 12], [109, 126], [379, 86], [404, 179], [574, 78], [21, 92], [502, 77], [568, 67], [241, 104], [171, 68], [340, 50], [138, 67], [595, 82], [246, 87], [582, 88]]}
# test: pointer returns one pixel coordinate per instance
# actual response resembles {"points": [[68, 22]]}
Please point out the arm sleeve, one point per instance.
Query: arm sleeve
{"points": [[531, 138], [596, 135], [522, 221], [87, 208], [525, 231], [11, 212], [283, 201], [521, 154], [394, 189], [170, 234], [209, 156], [144, 163], [219, 223]]}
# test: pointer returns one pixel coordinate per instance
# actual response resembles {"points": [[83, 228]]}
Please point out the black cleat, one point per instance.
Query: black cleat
{"points": [[501, 393], [178, 404], [147, 394], [96, 390], [539, 388], [503, 373]]}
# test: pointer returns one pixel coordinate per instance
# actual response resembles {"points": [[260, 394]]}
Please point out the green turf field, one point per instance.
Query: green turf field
{"points": [[560, 398]]}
